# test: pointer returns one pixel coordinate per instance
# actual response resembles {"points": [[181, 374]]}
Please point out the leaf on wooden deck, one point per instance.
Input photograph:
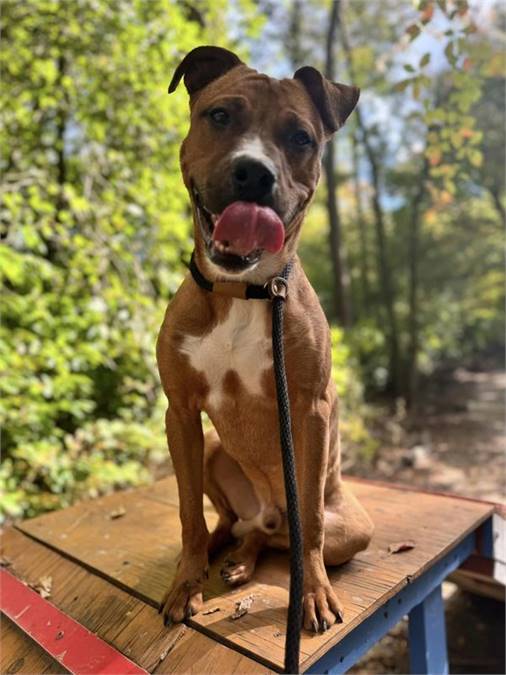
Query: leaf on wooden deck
{"points": [[117, 513], [242, 607], [211, 611], [401, 546], [43, 586]]}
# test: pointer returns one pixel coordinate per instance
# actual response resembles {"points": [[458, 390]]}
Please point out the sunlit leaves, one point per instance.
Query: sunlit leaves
{"points": [[95, 227]]}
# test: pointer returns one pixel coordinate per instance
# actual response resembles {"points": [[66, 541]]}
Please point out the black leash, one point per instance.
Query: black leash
{"points": [[294, 622], [276, 289]]}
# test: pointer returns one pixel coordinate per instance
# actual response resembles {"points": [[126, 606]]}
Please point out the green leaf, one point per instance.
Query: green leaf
{"points": [[450, 55], [402, 85]]}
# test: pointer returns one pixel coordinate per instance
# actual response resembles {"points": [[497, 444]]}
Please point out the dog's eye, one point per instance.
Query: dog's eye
{"points": [[301, 138], [219, 116]]}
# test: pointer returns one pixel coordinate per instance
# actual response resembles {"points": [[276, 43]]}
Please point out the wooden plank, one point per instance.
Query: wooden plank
{"points": [[138, 550], [196, 653], [21, 655], [147, 536], [78, 649], [123, 621], [128, 624], [479, 584]]}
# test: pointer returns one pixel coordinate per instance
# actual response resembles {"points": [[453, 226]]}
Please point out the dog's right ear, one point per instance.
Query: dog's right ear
{"points": [[203, 65]]}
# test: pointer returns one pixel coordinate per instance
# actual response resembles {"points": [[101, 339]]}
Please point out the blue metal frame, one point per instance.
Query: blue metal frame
{"points": [[421, 599], [485, 538], [427, 636]]}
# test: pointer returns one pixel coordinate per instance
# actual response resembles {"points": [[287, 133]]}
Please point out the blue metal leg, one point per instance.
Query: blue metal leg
{"points": [[427, 636], [421, 599]]}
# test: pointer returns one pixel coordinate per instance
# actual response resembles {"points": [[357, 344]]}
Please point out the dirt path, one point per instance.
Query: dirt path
{"points": [[455, 443], [456, 440]]}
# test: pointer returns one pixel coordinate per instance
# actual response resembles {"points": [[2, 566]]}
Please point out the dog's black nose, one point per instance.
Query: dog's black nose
{"points": [[252, 180]]}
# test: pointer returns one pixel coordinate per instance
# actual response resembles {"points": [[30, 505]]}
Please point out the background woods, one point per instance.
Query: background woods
{"points": [[403, 242]]}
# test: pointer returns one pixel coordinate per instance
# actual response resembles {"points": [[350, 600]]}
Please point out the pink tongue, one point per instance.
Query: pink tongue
{"points": [[245, 226]]}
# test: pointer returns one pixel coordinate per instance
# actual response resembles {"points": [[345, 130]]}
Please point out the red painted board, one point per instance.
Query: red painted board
{"points": [[79, 650]]}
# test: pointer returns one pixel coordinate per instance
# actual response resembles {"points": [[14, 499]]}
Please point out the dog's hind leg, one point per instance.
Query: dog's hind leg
{"points": [[348, 527], [238, 507], [240, 564], [220, 537]]}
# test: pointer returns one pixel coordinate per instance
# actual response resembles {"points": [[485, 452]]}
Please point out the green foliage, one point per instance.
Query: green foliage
{"points": [[96, 225], [356, 439], [438, 82], [100, 456], [95, 218]]}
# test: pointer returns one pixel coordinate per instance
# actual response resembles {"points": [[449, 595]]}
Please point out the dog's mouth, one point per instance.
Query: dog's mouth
{"points": [[236, 238]]}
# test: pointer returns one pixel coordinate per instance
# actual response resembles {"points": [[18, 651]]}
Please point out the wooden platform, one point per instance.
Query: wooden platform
{"points": [[110, 561]]}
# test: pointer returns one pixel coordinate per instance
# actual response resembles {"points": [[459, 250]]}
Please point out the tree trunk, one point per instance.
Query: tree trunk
{"points": [[411, 379], [61, 163], [341, 285], [498, 205], [294, 45], [61, 124], [387, 290], [365, 290]]}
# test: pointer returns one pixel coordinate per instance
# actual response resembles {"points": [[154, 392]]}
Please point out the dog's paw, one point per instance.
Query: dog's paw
{"points": [[321, 607], [235, 573], [182, 600]]}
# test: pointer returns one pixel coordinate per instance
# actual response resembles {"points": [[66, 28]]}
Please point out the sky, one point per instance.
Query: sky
{"points": [[267, 55]]}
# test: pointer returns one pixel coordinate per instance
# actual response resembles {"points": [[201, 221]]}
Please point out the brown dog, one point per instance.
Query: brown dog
{"points": [[251, 163]]}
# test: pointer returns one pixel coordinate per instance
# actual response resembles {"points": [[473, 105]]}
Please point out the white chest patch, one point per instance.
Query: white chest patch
{"points": [[240, 343]]}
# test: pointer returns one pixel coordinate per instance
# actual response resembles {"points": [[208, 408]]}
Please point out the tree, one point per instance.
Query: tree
{"points": [[386, 285], [342, 307], [420, 141], [95, 225]]}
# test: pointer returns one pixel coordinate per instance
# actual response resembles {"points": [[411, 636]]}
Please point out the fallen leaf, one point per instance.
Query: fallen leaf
{"points": [[211, 611], [401, 546], [242, 607], [117, 513], [43, 586]]}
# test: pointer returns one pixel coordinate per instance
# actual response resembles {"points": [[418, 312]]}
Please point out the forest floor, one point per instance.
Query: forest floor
{"points": [[454, 442]]}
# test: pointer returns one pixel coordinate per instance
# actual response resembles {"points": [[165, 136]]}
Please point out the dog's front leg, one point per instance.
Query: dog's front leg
{"points": [[186, 444], [321, 606]]}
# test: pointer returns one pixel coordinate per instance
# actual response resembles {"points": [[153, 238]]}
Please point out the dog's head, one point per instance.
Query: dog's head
{"points": [[251, 159]]}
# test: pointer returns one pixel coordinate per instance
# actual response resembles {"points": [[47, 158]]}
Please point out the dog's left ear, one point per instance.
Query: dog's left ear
{"points": [[203, 65], [333, 101]]}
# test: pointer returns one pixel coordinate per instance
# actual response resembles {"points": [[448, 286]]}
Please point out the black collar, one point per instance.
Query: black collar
{"points": [[277, 286]]}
